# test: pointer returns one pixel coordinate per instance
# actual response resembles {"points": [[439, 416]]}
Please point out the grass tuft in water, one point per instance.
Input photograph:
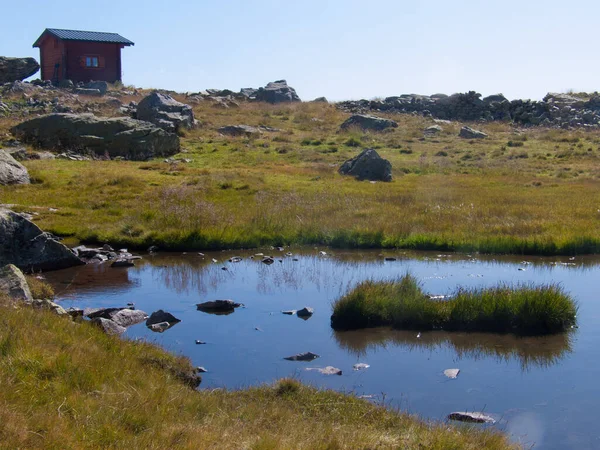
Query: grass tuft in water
{"points": [[524, 309]]}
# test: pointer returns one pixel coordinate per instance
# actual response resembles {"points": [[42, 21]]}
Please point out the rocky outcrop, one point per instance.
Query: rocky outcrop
{"points": [[368, 165], [23, 244], [11, 171], [13, 284], [165, 112], [112, 137], [368, 123], [17, 69], [555, 110], [276, 92], [470, 133]]}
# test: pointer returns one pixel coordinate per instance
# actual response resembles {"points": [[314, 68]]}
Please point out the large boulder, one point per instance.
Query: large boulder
{"points": [[23, 244], [16, 69], [368, 165], [366, 122], [470, 133], [165, 112], [277, 92], [12, 171], [13, 283], [119, 136]]}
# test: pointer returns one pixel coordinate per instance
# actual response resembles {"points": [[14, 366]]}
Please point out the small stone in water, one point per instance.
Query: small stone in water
{"points": [[201, 369], [472, 417], [214, 260], [329, 370], [290, 312], [360, 366], [198, 342], [308, 356], [452, 373]]}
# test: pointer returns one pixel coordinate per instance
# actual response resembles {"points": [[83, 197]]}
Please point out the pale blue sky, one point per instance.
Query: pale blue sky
{"points": [[342, 49]]}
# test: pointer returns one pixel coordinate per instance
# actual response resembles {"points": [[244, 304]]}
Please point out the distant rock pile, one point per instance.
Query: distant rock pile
{"points": [[274, 92], [17, 69], [555, 110]]}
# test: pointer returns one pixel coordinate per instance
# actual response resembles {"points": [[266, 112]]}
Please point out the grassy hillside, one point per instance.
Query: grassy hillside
{"points": [[67, 385], [520, 190]]}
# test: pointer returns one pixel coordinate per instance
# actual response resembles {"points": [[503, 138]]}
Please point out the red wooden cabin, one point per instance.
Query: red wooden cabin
{"points": [[80, 55]]}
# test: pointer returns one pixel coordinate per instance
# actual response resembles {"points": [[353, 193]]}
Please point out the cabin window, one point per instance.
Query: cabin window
{"points": [[91, 61]]}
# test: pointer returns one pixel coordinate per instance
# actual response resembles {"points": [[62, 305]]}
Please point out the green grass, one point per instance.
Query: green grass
{"points": [[67, 385], [283, 188], [524, 309]]}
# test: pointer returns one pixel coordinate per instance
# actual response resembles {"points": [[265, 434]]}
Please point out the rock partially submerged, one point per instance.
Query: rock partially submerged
{"points": [[367, 122], [329, 370], [124, 317], [113, 137], [218, 306], [360, 366], [13, 284], [308, 356], [165, 112], [23, 244], [17, 69], [471, 417], [452, 373], [368, 165], [305, 313], [161, 321], [12, 171]]}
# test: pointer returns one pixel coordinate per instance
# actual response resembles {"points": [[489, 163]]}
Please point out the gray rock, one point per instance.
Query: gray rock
{"points": [[239, 130], [320, 100], [12, 171], [452, 373], [50, 305], [13, 283], [161, 316], [108, 326], [471, 417], [119, 136], [366, 122], [17, 69], [23, 244], [329, 370], [86, 91], [308, 356], [360, 366], [433, 130], [267, 260], [165, 112], [218, 306], [368, 165], [101, 86], [124, 317], [66, 84], [470, 133], [277, 92], [289, 312]]}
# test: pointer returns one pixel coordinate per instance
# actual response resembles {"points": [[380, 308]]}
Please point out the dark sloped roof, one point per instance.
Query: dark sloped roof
{"points": [[88, 36]]}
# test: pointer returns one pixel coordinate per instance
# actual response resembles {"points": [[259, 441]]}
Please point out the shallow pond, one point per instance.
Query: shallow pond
{"points": [[542, 390]]}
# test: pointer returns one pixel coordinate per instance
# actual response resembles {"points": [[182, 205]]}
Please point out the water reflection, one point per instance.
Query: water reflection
{"points": [[540, 351], [92, 278]]}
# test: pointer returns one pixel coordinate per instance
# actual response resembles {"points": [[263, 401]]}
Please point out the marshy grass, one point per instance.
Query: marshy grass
{"points": [[523, 309], [67, 385]]}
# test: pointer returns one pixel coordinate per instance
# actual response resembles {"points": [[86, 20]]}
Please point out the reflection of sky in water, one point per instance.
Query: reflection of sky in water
{"points": [[543, 390]]}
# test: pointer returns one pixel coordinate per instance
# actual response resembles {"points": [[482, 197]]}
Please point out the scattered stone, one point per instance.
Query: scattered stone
{"points": [[23, 244], [49, 305], [305, 312], [153, 249], [360, 366], [119, 136], [218, 306], [75, 312], [365, 122], [277, 92], [320, 100], [127, 317], [16, 69], [90, 92], [267, 260], [329, 370], [368, 165], [239, 130], [235, 259], [158, 318], [13, 283], [471, 417], [200, 342], [452, 373], [390, 258], [470, 133], [108, 326], [308, 356], [100, 86], [433, 130], [12, 171], [122, 263], [201, 369], [165, 112], [290, 312]]}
